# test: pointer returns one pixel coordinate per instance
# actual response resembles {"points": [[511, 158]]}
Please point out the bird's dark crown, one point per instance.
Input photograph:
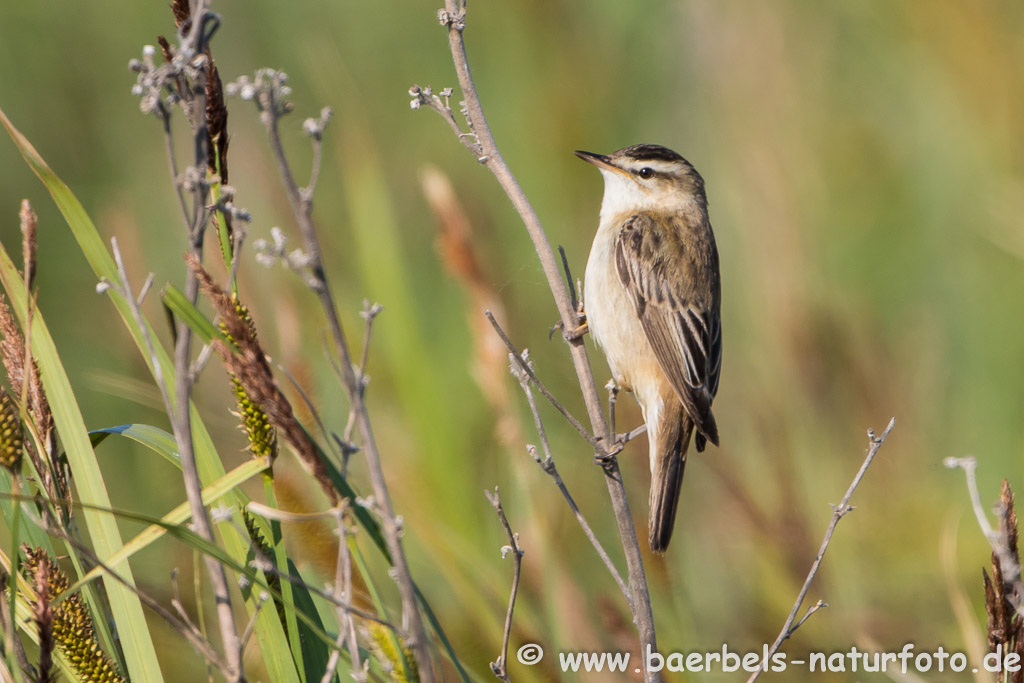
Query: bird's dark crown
{"points": [[649, 153]]}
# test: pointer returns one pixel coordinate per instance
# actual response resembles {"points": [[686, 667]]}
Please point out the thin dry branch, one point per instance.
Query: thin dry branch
{"points": [[548, 465], [838, 512], [123, 288], [499, 666], [343, 587], [189, 78], [480, 141], [525, 367], [1002, 541], [271, 100]]}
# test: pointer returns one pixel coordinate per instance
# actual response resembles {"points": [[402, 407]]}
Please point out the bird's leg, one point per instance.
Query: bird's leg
{"points": [[581, 326], [608, 459], [581, 323], [613, 393]]}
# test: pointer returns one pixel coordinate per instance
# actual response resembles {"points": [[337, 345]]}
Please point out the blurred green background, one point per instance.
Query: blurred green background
{"points": [[864, 165]]}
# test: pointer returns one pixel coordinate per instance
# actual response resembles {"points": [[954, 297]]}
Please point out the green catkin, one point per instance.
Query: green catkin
{"points": [[260, 433], [11, 435], [73, 628], [403, 666]]}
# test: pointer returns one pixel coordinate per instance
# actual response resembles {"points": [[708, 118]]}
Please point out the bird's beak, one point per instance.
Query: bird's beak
{"points": [[600, 160]]}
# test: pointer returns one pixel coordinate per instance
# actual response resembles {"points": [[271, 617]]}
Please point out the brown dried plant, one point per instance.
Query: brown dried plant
{"points": [[42, 614], [23, 375], [1003, 597], [250, 367]]}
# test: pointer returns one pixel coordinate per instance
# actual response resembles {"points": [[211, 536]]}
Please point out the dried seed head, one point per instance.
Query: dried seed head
{"points": [[250, 367]]}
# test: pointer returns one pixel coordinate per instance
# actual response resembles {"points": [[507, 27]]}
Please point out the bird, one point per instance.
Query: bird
{"points": [[652, 302]]}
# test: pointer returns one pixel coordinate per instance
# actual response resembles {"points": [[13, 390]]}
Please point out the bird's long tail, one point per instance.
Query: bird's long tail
{"points": [[669, 442]]}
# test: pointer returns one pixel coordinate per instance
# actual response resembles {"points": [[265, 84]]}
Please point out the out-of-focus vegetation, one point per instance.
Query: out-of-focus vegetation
{"points": [[864, 166]]}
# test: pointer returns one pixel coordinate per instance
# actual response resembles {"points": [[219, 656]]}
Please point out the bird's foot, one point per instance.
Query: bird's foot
{"points": [[578, 333], [572, 335], [609, 460]]}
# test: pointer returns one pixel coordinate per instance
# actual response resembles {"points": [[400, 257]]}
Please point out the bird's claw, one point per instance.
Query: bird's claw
{"points": [[609, 460], [574, 335], [578, 332]]}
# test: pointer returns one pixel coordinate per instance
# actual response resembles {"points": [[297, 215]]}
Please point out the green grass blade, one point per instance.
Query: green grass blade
{"points": [[136, 642], [185, 535], [30, 533], [179, 515], [274, 535], [95, 252], [154, 438]]}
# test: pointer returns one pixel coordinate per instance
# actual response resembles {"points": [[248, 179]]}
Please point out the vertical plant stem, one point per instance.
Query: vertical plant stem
{"points": [[454, 17], [181, 416], [302, 206]]}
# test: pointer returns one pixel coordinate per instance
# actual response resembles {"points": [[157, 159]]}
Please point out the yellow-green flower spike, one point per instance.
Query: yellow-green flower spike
{"points": [[73, 628], [260, 433], [383, 644], [11, 435]]}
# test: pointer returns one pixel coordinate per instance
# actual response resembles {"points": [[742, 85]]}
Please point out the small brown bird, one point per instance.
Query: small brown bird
{"points": [[653, 298]]}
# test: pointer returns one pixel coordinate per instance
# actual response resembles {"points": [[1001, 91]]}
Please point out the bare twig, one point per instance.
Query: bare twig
{"points": [[613, 395], [272, 104], [343, 586], [480, 141], [548, 465], [185, 76], [525, 367], [838, 512], [499, 665], [124, 289], [369, 314], [996, 539], [251, 626], [807, 615]]}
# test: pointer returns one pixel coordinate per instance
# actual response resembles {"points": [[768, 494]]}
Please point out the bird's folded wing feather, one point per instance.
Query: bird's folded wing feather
{"points": [[654, 267]]}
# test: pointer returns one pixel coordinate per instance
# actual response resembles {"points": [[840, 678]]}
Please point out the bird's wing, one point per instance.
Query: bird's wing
{"points": [[673, 286]]}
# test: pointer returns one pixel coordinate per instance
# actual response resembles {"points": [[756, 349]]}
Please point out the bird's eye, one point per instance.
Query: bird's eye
{"points": [[645, 172]]}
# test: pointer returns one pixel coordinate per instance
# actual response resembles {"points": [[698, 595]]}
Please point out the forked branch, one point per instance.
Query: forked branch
{"points": [[838, 512], [479, 139], [499, 666]]}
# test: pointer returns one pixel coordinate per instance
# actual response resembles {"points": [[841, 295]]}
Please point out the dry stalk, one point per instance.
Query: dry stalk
{"points": [[499, 666], [480, 141], [1004, 590], [270, 95], [188, 78], [838, 512]]}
